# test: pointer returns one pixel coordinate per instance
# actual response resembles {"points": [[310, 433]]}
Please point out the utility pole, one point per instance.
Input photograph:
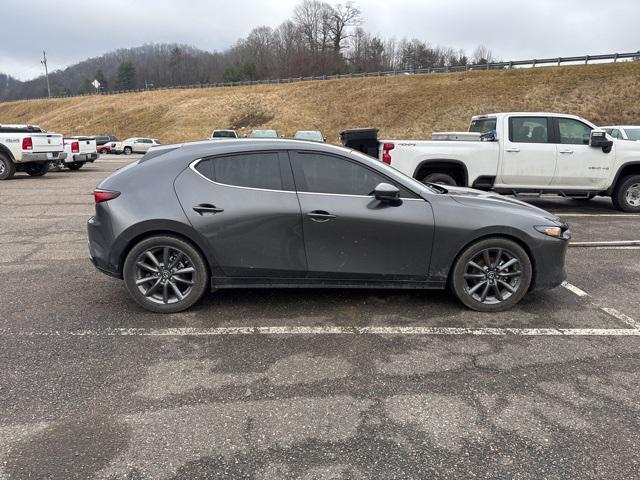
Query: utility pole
{"points": [[46, 71]]}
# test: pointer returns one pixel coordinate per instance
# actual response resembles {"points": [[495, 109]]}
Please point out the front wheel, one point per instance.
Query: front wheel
{"points": [[37, 169], [128, 151], [627, 195], [165, 274], [492, 275]]}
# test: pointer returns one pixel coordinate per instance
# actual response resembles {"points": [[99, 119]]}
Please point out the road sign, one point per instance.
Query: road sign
{"points": [[96, 84]]}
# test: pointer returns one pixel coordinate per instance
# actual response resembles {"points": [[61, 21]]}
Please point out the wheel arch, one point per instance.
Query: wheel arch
{"points": [[6, 151], [134, 235], [500, 235], [447, 164], [629, 168]]}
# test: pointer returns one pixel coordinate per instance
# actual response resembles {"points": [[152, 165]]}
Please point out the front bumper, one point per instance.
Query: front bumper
{"points": [[549, 258], [42, 156], [83, 157]]}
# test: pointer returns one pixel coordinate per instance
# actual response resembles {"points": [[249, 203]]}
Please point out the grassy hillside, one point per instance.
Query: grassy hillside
{"points": [[410, 106]]}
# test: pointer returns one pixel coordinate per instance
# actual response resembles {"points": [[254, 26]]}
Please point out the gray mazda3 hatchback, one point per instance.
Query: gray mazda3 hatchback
{"points": [[280, 213]]}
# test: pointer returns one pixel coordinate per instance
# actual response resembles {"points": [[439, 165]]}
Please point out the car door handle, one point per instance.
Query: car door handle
{"points": [[566, 151], [207, 208], [320, 216], [513, 149]]}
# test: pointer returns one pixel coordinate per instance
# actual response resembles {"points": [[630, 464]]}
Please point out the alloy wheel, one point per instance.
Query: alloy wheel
{"points": [[492, 275], [164, 274], [632, 195]]}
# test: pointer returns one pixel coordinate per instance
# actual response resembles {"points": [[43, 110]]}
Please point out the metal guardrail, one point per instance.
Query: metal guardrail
{"points": [[611, 58]]}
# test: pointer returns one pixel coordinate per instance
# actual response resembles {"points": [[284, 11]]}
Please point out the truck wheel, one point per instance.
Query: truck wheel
{"points": [[75, 166], [627, 194], [7, 167], [440, 178], [37, 169], [127, 151]]}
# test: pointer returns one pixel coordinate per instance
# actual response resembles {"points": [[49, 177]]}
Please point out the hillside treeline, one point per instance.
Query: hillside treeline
{"points": [[319, 38]]}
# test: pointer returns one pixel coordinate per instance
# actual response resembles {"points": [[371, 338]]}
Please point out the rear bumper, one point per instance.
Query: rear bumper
{"points": [[42, 156], [100, 242], [83, 157]]}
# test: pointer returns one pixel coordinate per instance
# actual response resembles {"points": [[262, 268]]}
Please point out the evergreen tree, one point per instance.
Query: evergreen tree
{"points": [[126, 76]]}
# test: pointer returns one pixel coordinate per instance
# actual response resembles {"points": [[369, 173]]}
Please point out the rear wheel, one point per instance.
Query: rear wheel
{"points": [[439, 178], [7, 167], [492, 275], [627, 194], [37, 169], [75, 165], [165, 274]]}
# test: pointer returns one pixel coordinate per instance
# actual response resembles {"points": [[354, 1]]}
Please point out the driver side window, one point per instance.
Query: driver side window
{"points": [[322, 173], [573, 132]]}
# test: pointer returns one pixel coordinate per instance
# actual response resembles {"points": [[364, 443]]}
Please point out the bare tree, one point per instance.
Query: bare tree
{"points": [[342, 18], [482, 55]]}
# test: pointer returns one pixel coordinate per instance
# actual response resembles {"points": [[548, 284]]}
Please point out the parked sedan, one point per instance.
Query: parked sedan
{"points": [[106, 143], [283, 213], [624, 132], [264, 134], [135, 145]]}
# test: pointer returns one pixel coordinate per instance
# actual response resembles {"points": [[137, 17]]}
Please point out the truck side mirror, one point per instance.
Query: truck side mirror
{"points": [[599, 139]]}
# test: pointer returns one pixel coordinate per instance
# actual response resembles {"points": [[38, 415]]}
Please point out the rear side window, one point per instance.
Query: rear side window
{"points": [[252, 170], [573, 132], [482, 125], [529, 129], [321, 173]]}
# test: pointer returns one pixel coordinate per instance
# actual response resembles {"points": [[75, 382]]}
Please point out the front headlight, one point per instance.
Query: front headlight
{"points": [[554, 231]]}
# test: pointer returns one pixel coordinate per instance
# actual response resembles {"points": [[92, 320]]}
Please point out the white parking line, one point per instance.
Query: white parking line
{"points": [[607, 243], [574, 289], [626, 319], [330, 330]]}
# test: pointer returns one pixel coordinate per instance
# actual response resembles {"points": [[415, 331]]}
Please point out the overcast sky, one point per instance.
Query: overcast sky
{"points": [[72, 30]]}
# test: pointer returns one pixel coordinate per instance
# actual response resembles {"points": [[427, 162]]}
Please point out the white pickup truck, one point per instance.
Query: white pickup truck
{"points": [[28, 148], [518, 153], [80, 150]]}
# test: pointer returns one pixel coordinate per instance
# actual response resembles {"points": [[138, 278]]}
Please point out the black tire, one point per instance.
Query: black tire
{"points": [[471, 283], [75, 165], [164, 299], [127, 151], [7, 167], [626, 196], [37, 169], [440, 178]]}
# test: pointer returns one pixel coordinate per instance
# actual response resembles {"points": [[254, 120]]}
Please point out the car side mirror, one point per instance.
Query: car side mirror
{"points": [[386, 192], [599, 139]]}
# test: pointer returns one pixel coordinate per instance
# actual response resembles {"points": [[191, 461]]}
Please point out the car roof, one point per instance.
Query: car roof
{"points": [[621, 126]]}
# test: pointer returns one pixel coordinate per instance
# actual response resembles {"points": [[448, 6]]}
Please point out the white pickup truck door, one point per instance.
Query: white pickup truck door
{"points": [[579, 165], [528, 156]]}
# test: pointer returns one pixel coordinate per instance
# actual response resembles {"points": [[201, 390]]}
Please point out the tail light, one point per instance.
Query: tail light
{"points": [[27, 143], [75, 147], [386, 156], [104, 195]]}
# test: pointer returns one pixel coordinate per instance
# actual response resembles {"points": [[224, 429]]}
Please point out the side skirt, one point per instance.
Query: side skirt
{"points": [[264, 282]]}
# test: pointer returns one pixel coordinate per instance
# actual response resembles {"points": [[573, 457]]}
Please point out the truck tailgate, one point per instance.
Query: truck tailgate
{"points": [[87, 145], [46, 142]]}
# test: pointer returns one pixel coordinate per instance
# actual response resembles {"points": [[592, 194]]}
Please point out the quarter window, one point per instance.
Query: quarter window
{"points": [[319, 173], [253, 170], [529, 129], [573, 132]]}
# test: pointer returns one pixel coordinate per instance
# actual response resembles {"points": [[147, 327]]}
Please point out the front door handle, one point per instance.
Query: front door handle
{"points": [[320, 216], [207, 208], [566, 151], [513, 149]]}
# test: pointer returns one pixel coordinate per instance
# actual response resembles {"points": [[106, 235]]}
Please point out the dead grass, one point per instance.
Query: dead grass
{"points": [[402, 107]]}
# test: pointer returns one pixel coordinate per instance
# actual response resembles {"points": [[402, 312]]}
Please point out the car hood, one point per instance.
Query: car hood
{"points": [[478, 198]]}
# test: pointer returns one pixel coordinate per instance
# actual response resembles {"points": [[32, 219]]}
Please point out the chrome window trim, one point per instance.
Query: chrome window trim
{"points": [[195, 163], [358, 196]]}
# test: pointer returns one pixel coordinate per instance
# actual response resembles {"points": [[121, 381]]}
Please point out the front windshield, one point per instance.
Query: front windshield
{"points": [[264, 134], [482, 125], [633, 133]]}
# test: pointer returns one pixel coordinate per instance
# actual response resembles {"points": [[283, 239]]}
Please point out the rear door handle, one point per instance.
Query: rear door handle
{"points": [[566, 151], [207, 208], [513, 150], [320, 216]]}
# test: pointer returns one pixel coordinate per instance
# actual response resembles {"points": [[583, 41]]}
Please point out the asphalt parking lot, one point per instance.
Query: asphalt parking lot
{"points": [[313, 384]]}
